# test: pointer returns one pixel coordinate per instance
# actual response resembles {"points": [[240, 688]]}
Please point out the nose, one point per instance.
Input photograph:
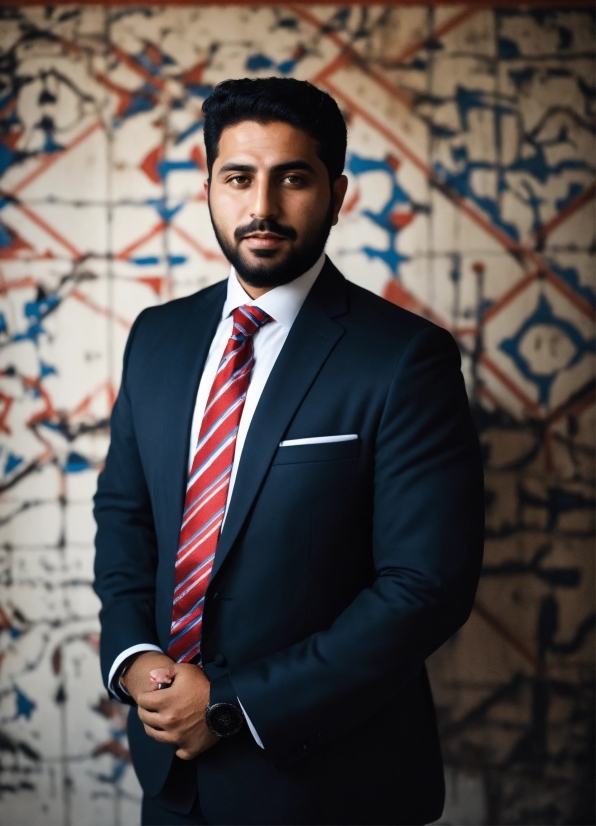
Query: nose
{"points": [[264, 204]]}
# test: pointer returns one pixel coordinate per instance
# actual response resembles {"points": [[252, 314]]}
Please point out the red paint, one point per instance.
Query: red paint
{"points": [[583, 198], [150, 162], [508, 635], [127, 251]]}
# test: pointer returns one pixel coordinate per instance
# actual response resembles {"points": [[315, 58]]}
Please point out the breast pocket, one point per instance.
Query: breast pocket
{"points": [[321, 452]]}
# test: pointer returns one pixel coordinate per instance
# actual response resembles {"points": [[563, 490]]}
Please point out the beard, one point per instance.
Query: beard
{"points": [[268, 273]]}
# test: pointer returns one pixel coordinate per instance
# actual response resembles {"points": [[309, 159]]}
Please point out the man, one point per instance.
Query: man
{"points": [[290, 515]]}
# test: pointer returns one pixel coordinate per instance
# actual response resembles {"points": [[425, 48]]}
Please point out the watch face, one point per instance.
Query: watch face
{"points": [[224, 719]]}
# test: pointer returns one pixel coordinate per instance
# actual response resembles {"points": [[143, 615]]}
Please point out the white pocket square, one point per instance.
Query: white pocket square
{"points": [[319, 440]]}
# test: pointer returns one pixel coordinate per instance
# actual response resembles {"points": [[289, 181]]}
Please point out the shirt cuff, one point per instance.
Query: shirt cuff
{"points": [[253, 730], [222, 691], [134, 649]]}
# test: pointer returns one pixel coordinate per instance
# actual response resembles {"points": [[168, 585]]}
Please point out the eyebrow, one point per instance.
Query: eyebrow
{"points": [[287, 166]]}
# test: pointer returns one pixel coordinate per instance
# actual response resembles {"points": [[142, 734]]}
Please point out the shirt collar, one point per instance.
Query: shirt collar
{"points": [[281, 303]]}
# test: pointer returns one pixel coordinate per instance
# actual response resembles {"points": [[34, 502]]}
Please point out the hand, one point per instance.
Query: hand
{"points": [[177, 714], [137, 678]]}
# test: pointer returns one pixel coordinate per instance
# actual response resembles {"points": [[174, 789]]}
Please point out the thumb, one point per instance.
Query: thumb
{"points": [[162, 676]]}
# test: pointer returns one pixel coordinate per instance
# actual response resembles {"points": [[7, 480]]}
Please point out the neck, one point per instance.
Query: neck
{"points": [[253, 292]]}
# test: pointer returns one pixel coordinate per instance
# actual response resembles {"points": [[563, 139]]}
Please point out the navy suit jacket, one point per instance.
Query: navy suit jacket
{"points": [[340, 568]]}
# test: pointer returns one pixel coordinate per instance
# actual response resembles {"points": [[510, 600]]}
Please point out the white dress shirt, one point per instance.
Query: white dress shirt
{"points": [[283, 305]]}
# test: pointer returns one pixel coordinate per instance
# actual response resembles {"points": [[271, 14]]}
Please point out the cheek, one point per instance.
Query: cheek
{"points": [[309, 213], [224, 212]]}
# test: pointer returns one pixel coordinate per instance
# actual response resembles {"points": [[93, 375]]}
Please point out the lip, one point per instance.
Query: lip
{"points": [[264, 240]]}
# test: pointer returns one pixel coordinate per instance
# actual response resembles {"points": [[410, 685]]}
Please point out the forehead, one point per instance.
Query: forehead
{"points": [[266, 144]]}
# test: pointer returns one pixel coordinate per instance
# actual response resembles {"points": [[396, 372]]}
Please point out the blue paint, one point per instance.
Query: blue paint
{"points": [[6, 236], [166, 213], [339, 20], [572, 193], [439, 131], [571, 276], [469, 99], [391, 257], [48, 127], [7, 158], [145, 59], [287, 66], [152, 260], [75, 463], [143, 100], [537, 165], [534, 202], [12, 462], [507, 49], [47, 370], [33, 333], [519, 77], [460, 181], [587, 90], [25, 706], [257, 62], [433, 45], [558, 71], [3, 327], [198, 90], [145, 261], [544, 315], [260, 61], [40, 308], [565, 38], [195, 127], [398, 198], [165, 167]]}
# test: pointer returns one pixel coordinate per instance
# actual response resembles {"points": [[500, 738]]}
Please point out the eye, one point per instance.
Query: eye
{"points": [[238, 180], [294, 180]]}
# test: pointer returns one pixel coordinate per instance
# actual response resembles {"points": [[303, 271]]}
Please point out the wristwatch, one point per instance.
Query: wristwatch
{"points": [[223, 719]]}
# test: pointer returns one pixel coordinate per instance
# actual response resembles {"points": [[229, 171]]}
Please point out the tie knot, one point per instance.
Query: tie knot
{"points": [[247, 320]]}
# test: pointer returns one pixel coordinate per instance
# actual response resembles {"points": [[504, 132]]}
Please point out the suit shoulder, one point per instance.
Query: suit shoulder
{"points": [[388, 319]]}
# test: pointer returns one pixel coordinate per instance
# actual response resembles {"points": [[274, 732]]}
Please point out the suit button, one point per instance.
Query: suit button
{"points": [[305, 746], [220, 661]]}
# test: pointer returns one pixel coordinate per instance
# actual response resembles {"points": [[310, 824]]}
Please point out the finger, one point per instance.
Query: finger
{"points": [[163, 675], [186, 754], [152, 700], [160, 736], [151, 718]]}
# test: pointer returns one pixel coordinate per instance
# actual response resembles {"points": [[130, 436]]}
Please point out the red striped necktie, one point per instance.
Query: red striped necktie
{"points": [[208, 484]]}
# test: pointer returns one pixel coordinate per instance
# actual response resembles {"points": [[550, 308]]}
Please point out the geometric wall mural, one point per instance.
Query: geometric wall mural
{"points": [[472, 174]]}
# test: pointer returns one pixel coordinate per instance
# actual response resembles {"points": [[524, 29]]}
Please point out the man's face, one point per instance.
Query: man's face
{"points": [[271, 202]]}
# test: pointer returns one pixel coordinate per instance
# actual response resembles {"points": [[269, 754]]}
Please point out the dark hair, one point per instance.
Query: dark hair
{"points": [[270, 99]]}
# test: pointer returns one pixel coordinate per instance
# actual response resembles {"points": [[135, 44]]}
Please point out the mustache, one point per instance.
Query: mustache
{"points": [[265, 225]]}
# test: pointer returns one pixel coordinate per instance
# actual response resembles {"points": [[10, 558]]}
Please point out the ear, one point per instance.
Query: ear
{"points": [[340, 186], [206, 187]]}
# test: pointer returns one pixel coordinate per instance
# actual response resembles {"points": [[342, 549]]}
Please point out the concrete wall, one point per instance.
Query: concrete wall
{"points": [[471, 166]]}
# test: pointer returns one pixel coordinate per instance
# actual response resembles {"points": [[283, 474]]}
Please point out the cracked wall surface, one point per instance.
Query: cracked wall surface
{"points": [[471, 201]]}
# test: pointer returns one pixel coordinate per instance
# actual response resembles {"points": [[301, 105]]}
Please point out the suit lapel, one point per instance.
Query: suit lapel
{"points": [[186, 361], [313, 336]]}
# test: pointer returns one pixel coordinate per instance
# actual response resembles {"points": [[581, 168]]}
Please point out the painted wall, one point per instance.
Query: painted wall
{"points": [[471, 166]]}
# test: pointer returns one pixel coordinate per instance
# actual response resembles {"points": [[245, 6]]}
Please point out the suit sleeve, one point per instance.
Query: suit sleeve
{"points": [[427, 551], [126, 544]]}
